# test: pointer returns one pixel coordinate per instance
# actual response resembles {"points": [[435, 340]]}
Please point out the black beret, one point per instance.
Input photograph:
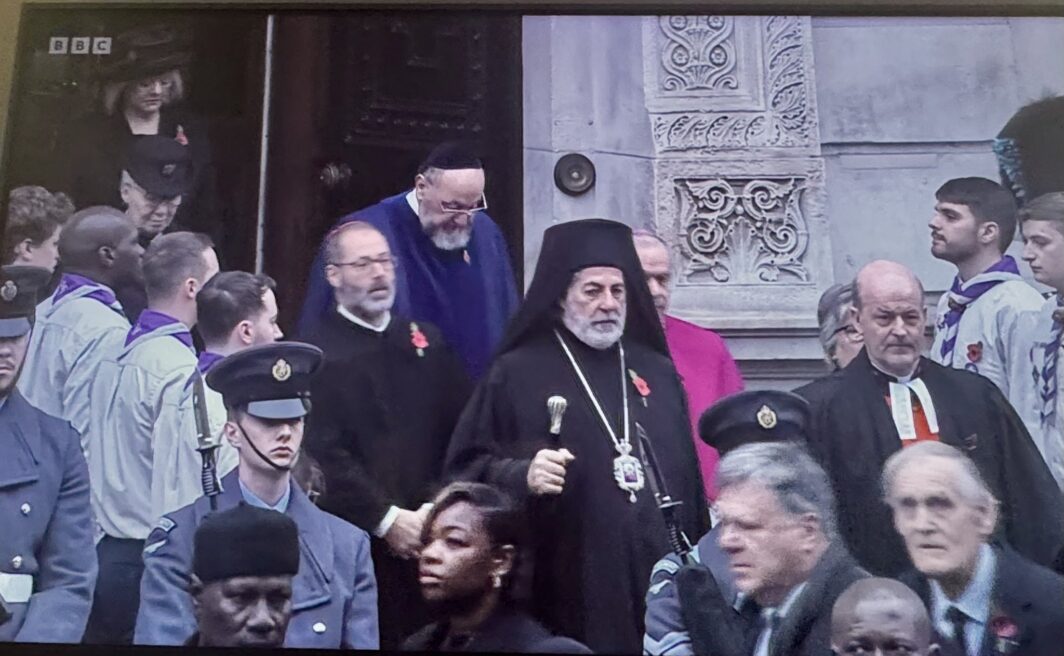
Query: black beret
{"points": [[19, 288], [272, 380], [451, 155], [160, 165], [754, 416], [245, 541]]}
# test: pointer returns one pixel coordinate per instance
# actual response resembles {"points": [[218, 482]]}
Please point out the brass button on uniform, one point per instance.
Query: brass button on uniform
{"points": [[25, 508], [16, 562], [318, 627]]}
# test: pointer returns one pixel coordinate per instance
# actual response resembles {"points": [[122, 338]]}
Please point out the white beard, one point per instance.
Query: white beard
{"points": [[594, 336], [451, 240]]}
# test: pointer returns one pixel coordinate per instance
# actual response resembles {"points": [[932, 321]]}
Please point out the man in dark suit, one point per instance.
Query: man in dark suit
{"points": [[778, 529], [983, 599]]}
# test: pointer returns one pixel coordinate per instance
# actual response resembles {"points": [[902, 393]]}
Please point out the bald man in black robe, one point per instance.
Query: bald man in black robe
{"points": [[587, 337], [890, 397]]}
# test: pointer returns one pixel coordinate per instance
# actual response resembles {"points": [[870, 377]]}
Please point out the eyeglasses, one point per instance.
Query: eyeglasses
{"points": [[364, 264], [852, 333], [450, 208]]}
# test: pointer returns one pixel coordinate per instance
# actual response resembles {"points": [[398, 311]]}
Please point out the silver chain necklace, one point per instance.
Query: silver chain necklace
{"points": [[627, 470]]}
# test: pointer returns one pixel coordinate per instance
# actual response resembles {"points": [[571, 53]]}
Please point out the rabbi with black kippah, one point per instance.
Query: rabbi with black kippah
{"points": [[266, 391], [452, 263]]}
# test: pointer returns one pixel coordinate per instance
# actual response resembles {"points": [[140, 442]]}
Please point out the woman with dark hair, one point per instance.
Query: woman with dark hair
{"points": [[472, 538]]}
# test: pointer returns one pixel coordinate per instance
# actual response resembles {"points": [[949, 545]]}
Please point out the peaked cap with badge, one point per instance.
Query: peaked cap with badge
{"points": [[272, 380], [754, 416], [161, 165], [19, 287]]}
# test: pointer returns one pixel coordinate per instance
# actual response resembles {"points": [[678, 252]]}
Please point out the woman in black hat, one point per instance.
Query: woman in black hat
{"points": [[471, 541], [142, 89]]}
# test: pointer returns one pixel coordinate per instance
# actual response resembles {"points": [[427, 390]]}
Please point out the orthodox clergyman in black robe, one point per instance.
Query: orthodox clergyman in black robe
{"points": [[386, 400], [859, 416], [556, 422]]}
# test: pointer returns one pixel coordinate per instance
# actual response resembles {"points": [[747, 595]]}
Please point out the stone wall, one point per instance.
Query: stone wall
{"points": [[775, 154]]}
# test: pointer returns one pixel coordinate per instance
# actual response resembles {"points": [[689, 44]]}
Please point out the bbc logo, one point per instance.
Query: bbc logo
{"points": [[79, 45]]}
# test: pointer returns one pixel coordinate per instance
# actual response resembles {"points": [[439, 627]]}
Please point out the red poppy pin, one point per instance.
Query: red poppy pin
{"points": [[640, 385], [180, 136], [975, 352], [1006, 634], [417, 338]]}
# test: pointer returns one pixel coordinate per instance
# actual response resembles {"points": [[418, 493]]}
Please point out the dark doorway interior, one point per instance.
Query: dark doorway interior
{"points": [[359, 98], [223, 79]]}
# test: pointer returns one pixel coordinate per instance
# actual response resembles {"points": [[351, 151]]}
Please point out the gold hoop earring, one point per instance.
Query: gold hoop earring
{"points": [[496, 580]]}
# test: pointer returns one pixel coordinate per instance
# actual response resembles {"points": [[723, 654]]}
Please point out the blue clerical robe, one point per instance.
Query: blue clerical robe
{"points": [[469, 294]]}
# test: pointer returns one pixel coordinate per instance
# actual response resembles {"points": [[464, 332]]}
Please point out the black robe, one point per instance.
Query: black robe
{"points": [[382, 419], [592, 549], [853, 434], [507, 630]]}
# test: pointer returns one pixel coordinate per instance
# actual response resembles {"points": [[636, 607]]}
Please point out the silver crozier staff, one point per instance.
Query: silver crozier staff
{"points": [[206, 443]]}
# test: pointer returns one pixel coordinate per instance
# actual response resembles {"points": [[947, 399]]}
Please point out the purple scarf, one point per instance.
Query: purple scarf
{"points": [[961, 295], [151, 321], [72, 282]]}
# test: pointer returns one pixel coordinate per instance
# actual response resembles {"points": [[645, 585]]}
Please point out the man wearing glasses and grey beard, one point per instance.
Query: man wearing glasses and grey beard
{"points": [[453, 264], [386, 401]]}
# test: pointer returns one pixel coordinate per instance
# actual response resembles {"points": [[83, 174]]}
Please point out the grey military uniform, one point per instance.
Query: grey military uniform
{"points": [[47, 526], [334, 595], [666, 633]]}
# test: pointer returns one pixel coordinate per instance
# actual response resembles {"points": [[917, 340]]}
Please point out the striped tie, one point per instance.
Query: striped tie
{"points": [[957, 305], [1048, 376]]}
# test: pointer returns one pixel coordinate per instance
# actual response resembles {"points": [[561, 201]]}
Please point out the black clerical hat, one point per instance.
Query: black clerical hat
{"points": [[451, 155], [272, 380], [19, 287], [245, 541], [574, 245], [754, 416], [160, 165]]}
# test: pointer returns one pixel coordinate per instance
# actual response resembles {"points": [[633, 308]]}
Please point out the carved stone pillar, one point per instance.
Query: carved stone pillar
{"points": [[739, 183]]}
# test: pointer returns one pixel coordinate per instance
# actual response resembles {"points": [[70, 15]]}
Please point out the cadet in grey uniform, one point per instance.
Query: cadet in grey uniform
{"points": [[265, 390], [47, 559], [743, 418]]}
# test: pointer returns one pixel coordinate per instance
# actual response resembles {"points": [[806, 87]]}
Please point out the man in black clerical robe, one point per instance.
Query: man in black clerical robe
{"points": [[854, 430], [594, 543], [385, 403]]}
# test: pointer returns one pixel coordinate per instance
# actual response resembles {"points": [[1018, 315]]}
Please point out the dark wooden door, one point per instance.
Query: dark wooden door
{"points": [[360, 98]]}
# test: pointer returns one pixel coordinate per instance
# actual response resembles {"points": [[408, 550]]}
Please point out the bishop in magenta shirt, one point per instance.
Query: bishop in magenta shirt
{"points": [[708, 372]]}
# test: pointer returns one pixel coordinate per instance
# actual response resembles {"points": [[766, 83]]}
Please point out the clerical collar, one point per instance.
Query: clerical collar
{"points": [[350, 316], [411, 200], [897, 379], [253, 500]]}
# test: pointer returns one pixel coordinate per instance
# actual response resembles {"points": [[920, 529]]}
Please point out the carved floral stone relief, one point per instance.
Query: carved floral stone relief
{"points": [[742, 231]]}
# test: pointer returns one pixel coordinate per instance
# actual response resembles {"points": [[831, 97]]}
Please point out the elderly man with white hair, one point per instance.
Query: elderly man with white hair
{"points": [[984, 598]]}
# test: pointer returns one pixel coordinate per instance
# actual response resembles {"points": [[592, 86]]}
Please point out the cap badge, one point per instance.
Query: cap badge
{"points": [[766, 418], [9, 291], [168, 169], [282, 371]]}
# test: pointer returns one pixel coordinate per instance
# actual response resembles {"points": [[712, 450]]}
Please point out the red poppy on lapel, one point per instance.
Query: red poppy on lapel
{"points": [[180, 136], [1006, 634], [640, 385], [975, 352], [418, 339]]}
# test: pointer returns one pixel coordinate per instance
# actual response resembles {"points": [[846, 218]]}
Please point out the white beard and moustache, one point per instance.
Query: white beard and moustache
{"points": [[451, 240], [365, 304], [587, 332]]}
